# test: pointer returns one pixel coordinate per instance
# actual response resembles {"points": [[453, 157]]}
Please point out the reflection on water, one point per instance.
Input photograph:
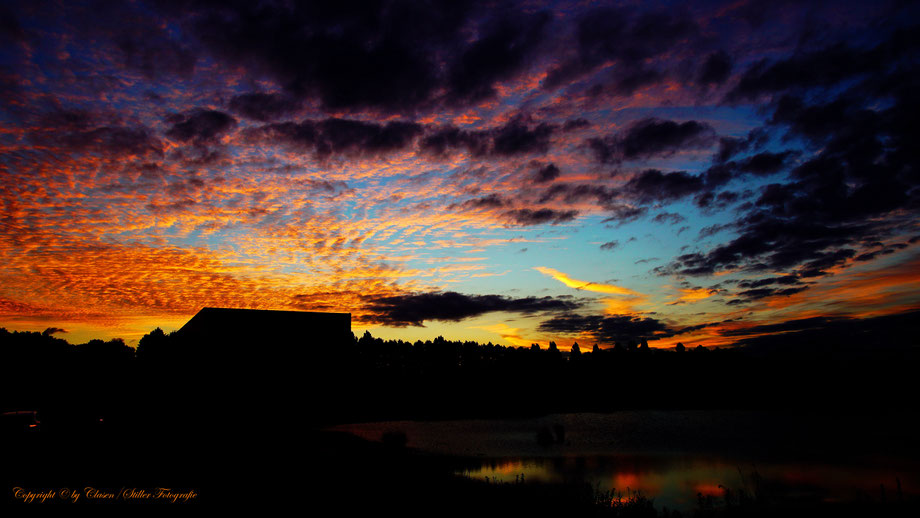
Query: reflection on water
{"points": [[674, 456], [676, 481]]}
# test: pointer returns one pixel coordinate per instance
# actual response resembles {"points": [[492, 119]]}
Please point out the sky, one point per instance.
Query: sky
{"points": [[506, 172]]}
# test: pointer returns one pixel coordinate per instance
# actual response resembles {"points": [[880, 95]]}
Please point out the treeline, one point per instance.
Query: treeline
{"points": [[203, 382]]}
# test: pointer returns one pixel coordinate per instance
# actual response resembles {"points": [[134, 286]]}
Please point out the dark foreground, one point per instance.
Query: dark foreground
{"points": [[337, 472], [236, 422]]}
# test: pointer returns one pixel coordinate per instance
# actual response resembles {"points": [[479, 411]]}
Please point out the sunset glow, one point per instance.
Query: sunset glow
{"points": [[514, 173]]}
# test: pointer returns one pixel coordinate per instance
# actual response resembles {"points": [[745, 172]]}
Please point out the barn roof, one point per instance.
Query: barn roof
{"points": [[239, 323]]}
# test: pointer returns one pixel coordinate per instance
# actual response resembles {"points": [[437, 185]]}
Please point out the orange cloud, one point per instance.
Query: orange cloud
{"points": [[585, 285]]}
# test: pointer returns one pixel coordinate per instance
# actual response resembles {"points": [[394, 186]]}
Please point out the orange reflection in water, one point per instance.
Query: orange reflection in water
{"points": [[676, 483]]}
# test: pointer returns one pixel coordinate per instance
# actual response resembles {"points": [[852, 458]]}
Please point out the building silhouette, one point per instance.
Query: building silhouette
{"points": [[265, 331]]}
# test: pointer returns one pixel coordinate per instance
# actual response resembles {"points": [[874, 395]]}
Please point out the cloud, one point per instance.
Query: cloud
{"points": [[339, 137], [503, 49], [731, 146], [486, 202], [608, 329], [708, 200], [82, 131], [526, 217], [621, 35], [760, 293], [119, 140], [547, 173], [671, 218], [716, 69], [825, 67], [388, 56], [765, 163], [414, 308], [448, 139], [149, 49], [446, 119], [515, 137], [199, 125], [575, 193], [585, 285], [264, 107], [576, 124], [653, 185], [652, 137], [784, 280], [854, 187], [831, 333], [695, 294], [610, 245]]}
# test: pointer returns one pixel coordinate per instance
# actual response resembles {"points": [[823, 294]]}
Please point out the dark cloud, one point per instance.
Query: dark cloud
{"points": [[723, 171], [711, 201], [829, 333], [784, 280], [10, 29], [868, 256], [348, 56], [394, 56], [486, 202], [729, 147], [329, 137], [117, 139], [825, 260], [713, 229], [413, 309], [527, 217], [575, 124], [859, 182], [623, 213], [148, 49], [264, 107], [782, 327], [503, 50], [624, 36], [671, 218], [716, 69], [765, 163], [608, 329], [448, 139], [760, 293], [652, 137], [767, 243], [85, 131], [199, 125], [610, 245], [624, 81], [547, 173], [653, 185], [825, 67], [574, 193], [513, 138], [516, 138]]}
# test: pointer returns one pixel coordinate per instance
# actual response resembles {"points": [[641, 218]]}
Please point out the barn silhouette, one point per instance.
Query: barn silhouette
{"points": [[241, 331], [279, 362]]}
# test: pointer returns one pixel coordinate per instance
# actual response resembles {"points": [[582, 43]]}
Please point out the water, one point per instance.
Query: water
{"points": [[677, 456]]}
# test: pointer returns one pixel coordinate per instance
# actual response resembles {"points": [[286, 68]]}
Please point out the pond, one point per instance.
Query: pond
{"points": [[677, 457]]}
